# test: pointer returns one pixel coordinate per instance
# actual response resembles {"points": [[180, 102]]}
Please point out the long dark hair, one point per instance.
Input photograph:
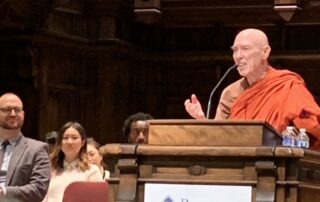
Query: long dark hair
{"points": [[57, 156]]}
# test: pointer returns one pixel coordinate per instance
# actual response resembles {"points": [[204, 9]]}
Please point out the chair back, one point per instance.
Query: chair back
{"points": [[87, 191]]}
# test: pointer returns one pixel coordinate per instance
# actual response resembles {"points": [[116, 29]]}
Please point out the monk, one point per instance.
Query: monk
{"points": [[279, 97]]}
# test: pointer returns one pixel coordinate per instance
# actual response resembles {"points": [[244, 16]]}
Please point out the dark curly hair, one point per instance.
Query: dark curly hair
{"points": [[140, 116]]}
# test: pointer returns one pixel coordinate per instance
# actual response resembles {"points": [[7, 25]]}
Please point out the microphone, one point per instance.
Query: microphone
{"points": [[215, 88]]}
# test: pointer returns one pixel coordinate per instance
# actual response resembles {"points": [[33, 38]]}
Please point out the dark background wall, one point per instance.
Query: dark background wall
{"points": [[98, 61]]}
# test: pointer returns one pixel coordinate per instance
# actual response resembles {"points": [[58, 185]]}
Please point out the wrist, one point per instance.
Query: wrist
{"points": [[200, 117]]}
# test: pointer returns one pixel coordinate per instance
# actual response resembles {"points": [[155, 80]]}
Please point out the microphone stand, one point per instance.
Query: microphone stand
{"points": [[215, 88]]}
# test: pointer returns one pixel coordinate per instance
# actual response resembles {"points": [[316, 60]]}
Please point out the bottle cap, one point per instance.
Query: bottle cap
{"points": [[290, 127], [302, 130]]}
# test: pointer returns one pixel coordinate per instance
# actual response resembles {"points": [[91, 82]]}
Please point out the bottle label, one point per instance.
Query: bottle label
{"points": [[303, 144], [288, 141]]}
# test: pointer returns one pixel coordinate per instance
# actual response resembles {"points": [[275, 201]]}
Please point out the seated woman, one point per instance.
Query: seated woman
{"points": [[96, 158], [69, 161]]}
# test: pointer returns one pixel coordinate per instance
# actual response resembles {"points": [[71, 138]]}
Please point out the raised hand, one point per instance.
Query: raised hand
{"points": [[194, 108]]}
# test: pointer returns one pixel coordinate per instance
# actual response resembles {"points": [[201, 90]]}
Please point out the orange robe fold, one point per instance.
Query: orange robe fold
{"points": [[280, 98]]}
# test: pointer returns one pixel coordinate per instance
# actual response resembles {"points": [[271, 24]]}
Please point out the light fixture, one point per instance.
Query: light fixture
{"points": [[286, 8], [147, 11]]}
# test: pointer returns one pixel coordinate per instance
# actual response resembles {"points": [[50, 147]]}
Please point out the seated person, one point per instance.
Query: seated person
{"points": [[51, 138], [24, 162], [96, 158], [69, 161], [136, 128]]}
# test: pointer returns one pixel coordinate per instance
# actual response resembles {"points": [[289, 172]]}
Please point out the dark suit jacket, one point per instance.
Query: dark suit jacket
{"points": [[28, 173]]}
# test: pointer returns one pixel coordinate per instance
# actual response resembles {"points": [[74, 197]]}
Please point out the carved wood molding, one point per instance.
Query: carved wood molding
{"points": [[24, 13]]}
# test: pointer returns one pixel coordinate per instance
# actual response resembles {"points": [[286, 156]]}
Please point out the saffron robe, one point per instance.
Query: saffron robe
{"points": [[280, 98]]}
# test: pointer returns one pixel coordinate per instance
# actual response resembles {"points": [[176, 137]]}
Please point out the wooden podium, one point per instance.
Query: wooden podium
{"points": [[275, 173], [212, 133]]}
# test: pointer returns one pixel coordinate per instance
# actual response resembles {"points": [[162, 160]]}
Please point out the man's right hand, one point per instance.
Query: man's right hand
{"points": [[193, 107]]}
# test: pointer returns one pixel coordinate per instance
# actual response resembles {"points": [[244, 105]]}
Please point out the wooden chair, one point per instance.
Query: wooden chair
{"points": [[86, 191]]}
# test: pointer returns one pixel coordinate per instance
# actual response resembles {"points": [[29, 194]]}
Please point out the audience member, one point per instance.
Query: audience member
{"points": [[24, 162], [51, 138], [96, 158], [136, 128], [69, 161], [279, 97]]}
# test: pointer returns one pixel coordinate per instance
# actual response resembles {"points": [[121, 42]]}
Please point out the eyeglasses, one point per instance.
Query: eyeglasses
{"points": [[8, 110]]}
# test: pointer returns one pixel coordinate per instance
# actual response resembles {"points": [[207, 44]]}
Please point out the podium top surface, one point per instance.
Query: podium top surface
{"points": [[190, 132]]}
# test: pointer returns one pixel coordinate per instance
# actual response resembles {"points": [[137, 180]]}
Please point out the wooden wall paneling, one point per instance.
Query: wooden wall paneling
{"points": [[97, 65], [45, 124], [17, 75], [112, 95], [68, 21], [62, 89], [126, 85], [89, 96], [96, 105], [107, 28], [154, 101], [123, 85], [198, 74]]}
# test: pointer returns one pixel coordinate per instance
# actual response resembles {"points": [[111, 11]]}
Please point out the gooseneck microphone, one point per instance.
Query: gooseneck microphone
{"points": [[215, 88]]}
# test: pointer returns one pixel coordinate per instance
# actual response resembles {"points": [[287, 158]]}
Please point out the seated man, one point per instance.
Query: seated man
{"points": [[279, 97], [24, 162], [136, 128]]}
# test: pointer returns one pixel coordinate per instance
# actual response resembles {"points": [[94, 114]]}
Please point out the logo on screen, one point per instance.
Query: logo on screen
{"points": [[168, 199]]}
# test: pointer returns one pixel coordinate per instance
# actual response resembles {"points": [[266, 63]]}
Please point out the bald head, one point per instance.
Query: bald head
{"points": [[10, 97], [251, 52], [256, 36], [11, 114]]}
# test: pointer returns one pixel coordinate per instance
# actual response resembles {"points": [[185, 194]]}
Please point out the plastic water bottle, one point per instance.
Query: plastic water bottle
{"points": [[288, 137], [303, 139]]}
